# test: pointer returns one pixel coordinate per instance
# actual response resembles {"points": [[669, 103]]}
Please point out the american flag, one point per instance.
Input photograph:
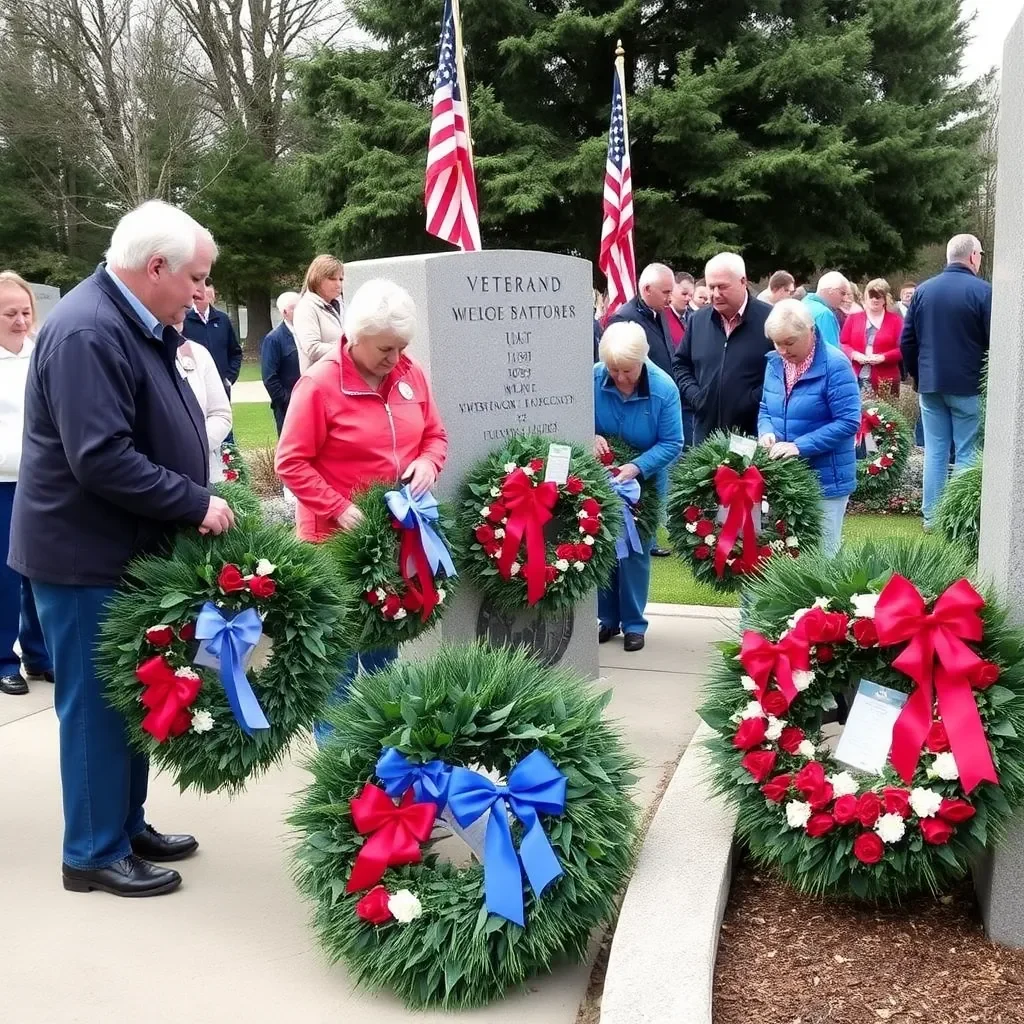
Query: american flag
{"points": [[616, 258], [450, 193]]}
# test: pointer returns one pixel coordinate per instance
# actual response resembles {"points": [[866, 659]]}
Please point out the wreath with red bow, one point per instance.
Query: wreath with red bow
{"points": [[236, 469], [905, 616], [728, 514], [530, 543], [392, 569], [184, 656], [887, 441]]}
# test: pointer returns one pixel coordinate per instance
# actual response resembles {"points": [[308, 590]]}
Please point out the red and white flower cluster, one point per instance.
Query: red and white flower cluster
{"points": [[230, 459], [259, 583], [884, 433], [701, 527], [393, 606], [379, 906]]}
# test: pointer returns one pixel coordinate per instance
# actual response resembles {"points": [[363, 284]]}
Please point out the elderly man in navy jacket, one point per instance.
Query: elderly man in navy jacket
{"points": [[945, 339], [279, 359], [114, 462], [212, 328]]}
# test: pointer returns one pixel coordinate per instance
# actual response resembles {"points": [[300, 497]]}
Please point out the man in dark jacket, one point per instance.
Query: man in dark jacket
{"points": [[720, 364], [279, 359], [944, 342], [213, 329], [114, 462]]}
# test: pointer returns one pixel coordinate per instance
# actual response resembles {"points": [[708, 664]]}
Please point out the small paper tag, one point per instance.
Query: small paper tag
{"points": [[207, 660], [867, 736], [745, 446], [870, 444], [559, 457]]}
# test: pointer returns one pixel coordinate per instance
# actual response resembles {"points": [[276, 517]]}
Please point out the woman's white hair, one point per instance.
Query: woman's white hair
{"points": [[380, 307], [789, 318], [286, 299], [623, 343], [156, 229]]}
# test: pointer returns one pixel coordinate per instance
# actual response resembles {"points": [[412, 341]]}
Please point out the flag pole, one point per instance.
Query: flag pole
{"points": [[620, 70], [463, 82]]}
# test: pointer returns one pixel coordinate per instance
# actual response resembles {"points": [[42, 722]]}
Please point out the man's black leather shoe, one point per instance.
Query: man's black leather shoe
{"points": [[605, 633], [13, 685], [660, 552], [633, 642], [37, 677], [152, 845], [127, 877]]}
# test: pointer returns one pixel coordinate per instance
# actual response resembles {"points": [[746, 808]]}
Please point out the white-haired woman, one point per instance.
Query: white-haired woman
{"points": [[639, 403], [810, 409], [360, 416]]}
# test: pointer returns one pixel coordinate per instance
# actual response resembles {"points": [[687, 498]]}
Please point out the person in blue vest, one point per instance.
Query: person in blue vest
{"points": [[279, 359], [212, 328], [810, 409], [825, 304], [636, 401], [115, 462]]}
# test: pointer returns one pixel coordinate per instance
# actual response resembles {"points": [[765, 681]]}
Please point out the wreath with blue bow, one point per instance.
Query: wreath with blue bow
{"points": [[185, 656], [489, 747]]}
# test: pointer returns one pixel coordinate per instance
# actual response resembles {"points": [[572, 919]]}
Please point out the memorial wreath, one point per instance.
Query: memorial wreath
{"points": [[493, 747], [887, 441], [641, 500], [729, 511], [243, 501], [395, 568], [958, 518], [236, 469], [178, 638], [901, 616], [528, 542]]}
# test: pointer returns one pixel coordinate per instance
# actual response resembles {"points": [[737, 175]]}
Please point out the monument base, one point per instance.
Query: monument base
{"points": [[999, 882]]}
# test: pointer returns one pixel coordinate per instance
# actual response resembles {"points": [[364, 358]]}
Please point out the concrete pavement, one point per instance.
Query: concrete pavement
{"points": [[234, 941], [249, 391]]}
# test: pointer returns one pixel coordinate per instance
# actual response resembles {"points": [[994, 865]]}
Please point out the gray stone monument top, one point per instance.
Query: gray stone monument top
{"points": [[46, 297]]}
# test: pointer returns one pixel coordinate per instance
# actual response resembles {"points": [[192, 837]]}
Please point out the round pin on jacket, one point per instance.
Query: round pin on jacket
{"points": [[404, 390]]}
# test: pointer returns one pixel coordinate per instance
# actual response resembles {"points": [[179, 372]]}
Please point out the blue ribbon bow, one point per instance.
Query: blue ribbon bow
{"points": [[422, 513], [534, 785], [429, 782], [229, 641], [629, 492]]}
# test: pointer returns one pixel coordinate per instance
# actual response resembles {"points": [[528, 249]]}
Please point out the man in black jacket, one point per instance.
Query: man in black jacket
{"points": [[114, 462], [212, 328], [648, 310], [719, 365]]}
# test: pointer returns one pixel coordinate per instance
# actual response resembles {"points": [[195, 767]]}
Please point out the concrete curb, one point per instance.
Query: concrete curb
{"points": [[662, 962], [694, 611]]}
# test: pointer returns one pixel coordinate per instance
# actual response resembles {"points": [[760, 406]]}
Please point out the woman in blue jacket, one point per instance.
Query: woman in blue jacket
{"points": [[811, 408], [639, 403]]}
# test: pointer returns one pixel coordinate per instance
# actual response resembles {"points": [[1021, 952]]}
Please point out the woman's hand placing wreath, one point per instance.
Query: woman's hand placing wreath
{"points": [[766, 440], [350, 518], [784, 450], [420, 476], [601, 447], [628, 472]]}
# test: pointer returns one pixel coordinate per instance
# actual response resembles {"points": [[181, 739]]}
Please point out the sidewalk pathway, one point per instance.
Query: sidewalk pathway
{"points": [[249, 391], [234, 942]]}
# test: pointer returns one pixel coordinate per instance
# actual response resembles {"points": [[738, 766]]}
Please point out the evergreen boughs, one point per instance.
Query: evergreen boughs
{"points": [[236, 469], [958, 518], [243, 502]]}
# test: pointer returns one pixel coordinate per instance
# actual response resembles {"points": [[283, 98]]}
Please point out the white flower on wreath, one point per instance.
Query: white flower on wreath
{"points": [[925, 802], [873, 412], [891, 828], [579, 566], [529, 471], [186, 673], [753, 710], [495, 492], [202, 721], [562, 565], [582, 515], [499, 533], [748, 684], [944, 766], [691, 527], [792, 542], [405, 907], [381, 594], [514, 569], [864, 605], [441, 595], [778, 545], [765, 507], [264, 568], [485, 511], [510, 467], [400, 614], [843, 784], [589, 541], [798, 813], [802, 679], [710, 540], [775, 727], [808, 750]]}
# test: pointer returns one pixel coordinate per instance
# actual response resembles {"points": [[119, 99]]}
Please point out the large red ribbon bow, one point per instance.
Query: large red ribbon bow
{"points": [[394, 834], [415, 568], [529, 509], [739, 493], [168, 697], [762, 659], [943, 666], [868, 422]]}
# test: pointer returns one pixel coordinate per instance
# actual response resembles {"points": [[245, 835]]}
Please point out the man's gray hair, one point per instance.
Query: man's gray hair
{"points": [[731, 262], [156, 229], [623, 342], [789, 318], [653, 273], [832, 281], [286, 299], [380, 307], [961, 248]]}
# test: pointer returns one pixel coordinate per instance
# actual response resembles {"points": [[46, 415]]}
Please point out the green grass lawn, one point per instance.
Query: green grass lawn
{"points": [[250, 371], [254, 424]]}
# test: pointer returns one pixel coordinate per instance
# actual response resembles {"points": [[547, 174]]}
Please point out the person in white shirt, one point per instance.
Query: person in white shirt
{"points": [[320, 313], [18, 618], [196, 365]]}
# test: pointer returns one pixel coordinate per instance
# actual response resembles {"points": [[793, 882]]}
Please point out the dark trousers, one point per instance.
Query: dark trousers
{"points": [[103, 782], [18, 618], [278, 411]]}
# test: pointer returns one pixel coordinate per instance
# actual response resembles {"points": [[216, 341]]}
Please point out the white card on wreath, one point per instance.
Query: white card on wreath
{"points": [[745, 446], [204, 657], [559, 457], [870, 444], [867, 737], [723, 513]]}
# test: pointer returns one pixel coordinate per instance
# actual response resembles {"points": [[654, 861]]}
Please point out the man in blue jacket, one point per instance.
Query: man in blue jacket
{"points": [[824, 303], [114, 462], [279, 359], [944, 342], [212, 329]]}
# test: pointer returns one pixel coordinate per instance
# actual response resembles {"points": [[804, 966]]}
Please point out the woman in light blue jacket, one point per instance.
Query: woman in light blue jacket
{"points": [[639, 403]]}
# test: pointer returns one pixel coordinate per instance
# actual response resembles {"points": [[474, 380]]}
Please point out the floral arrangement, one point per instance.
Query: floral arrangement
{"points": [[887, 440], [904, 616], [525, 542], [236, 470], [728, 514], [178, 651], [641, 499], [424, 751], [395, 567]]}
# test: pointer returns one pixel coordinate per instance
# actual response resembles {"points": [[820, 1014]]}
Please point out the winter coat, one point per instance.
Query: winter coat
{"points": [[206, 385], [317, 326], [279, 363], [884, 376], [656, 327], [217, 336], [826, 319]]}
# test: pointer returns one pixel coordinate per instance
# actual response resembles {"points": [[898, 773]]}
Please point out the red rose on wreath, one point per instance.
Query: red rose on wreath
{"points": [[765, 552], [869, 809], [391, 605], [810, 778], [226, 458], [373, 907], [955, 811], [590, 526], [230, 579], [704, 528], [887, 461], [820, 824], [187, 632], [775, 703], [983, 674], [607, 458], [824, 652], [845, 810], [691, 513], [864, 633], [821, 627], [782, 527], [873, 469], [574, 485], [230, 475], [550, 574], [160, 636], [591, 506], [937, 741], [497, 512], [262, 587], [484, 534], [936, 831], [791, 739], [777, 788], [371, 597], [584, 552], [536, 465], [701, 552], [897, 801], [492, 549], [411, 601], [760, 763], [566, 551], [750, 734], [821, 797], [868, 848]]}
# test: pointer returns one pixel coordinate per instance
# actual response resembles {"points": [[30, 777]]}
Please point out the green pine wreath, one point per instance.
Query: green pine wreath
{"points": [[880, 471], [152, 622], [829, 829], [580, 538], [383, 610], [647, 511], [791, 517], [236, 469], [958, 518], [242, 500], [468, 706]]}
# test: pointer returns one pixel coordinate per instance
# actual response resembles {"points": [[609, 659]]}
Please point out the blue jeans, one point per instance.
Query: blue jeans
{"points": [[369, 661], [18, 618], [949, 421], [103, 781], [621, 604], [833, 510]]}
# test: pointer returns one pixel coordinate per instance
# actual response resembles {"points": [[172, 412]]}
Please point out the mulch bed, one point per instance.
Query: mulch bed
{"points": [[784, 958]]}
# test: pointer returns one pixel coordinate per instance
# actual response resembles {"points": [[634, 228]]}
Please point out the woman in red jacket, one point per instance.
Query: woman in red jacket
{"points": [[871, 339], [361, 416]]}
